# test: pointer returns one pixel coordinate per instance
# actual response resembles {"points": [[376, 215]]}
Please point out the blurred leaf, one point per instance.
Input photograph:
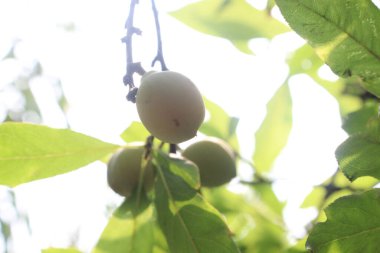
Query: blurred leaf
{"points": [[59, 250], [135, 132], [128, 233], [29, 152], [270, 5], [305, 61], [362, 183], [314, 198], [235, 20], [257, 226], [273, 133], [359, 155], [220, 124], [357, 121], [299, 247], [188, 222], [352, 226], [267, 196], [348, 45]]}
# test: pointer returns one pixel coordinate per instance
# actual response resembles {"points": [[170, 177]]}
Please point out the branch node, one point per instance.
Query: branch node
{"points": [[131, 96]]}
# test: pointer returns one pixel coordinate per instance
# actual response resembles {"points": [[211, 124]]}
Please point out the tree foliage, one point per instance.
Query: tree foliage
{"points": [[180, 216]]}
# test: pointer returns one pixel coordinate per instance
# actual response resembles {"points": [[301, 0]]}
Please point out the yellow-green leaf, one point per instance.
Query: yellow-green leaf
{"points": [[29, 152]]}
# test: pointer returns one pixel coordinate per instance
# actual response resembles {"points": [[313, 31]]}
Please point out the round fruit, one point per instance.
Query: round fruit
{"points": [[170, 106], [123, 171], [215, 160]]}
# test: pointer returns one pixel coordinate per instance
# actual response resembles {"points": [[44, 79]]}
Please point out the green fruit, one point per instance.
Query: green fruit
{"points": [[215, 160], [170, 106], [124, 168]]}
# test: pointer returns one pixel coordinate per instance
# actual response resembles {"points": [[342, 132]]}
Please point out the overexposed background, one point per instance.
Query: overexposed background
{"points": [[79, 42]]}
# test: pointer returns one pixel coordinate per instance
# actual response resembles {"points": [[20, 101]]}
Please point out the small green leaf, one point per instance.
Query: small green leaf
{"points": [[128, 233], [29, 152], [235, 20], [135, 132], [352, 226], [348, 45], [273, 133], [358, 156], [59, 250], [220, 124], [189, 223]]}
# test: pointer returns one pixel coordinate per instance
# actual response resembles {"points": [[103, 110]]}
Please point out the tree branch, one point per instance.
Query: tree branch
{"points": [[159, 57], [132, 67]]}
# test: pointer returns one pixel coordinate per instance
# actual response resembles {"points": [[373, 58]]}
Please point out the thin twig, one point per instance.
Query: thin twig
{"points": [[132, 67], [159, 57]]}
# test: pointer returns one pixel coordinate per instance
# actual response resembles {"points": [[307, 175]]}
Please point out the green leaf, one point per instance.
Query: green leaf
{"points": [[357, 121], [273, 133], [220, 124], [29, 152], [358, 156], [59, 250], [235, 20], [128, 233], [344, 34], [352, 226], [189, 223], [135, 132]]}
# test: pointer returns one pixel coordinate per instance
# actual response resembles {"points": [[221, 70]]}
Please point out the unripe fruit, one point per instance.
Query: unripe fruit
{"points": [[123, 171], [215, 160], [170, 106]]}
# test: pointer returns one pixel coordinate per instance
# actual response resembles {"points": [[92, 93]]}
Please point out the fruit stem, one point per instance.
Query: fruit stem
{"points": [[173, 148], [159, 57]]}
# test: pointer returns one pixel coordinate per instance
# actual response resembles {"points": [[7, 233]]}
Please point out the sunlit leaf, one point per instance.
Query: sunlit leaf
{"points": [[135, 132], [220, 124], [128, 233], [188, 222], [235, 20], [61, 250], [273, 133], [352, 226], [344, 34], [29, 152], [359, 155]]}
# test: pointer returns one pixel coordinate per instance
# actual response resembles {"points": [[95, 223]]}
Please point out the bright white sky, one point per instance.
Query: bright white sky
{"points": [[90, 63]]}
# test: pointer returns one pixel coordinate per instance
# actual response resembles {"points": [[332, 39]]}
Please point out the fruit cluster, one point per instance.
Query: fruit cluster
{"points": [[171, 108]]}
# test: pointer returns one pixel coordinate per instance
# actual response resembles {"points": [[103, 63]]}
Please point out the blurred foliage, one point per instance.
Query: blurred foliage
{"points": [[12, 219], [235, 20], [273, 133], [184, 218], [17, 99], [58, 250], [219, 124]]}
